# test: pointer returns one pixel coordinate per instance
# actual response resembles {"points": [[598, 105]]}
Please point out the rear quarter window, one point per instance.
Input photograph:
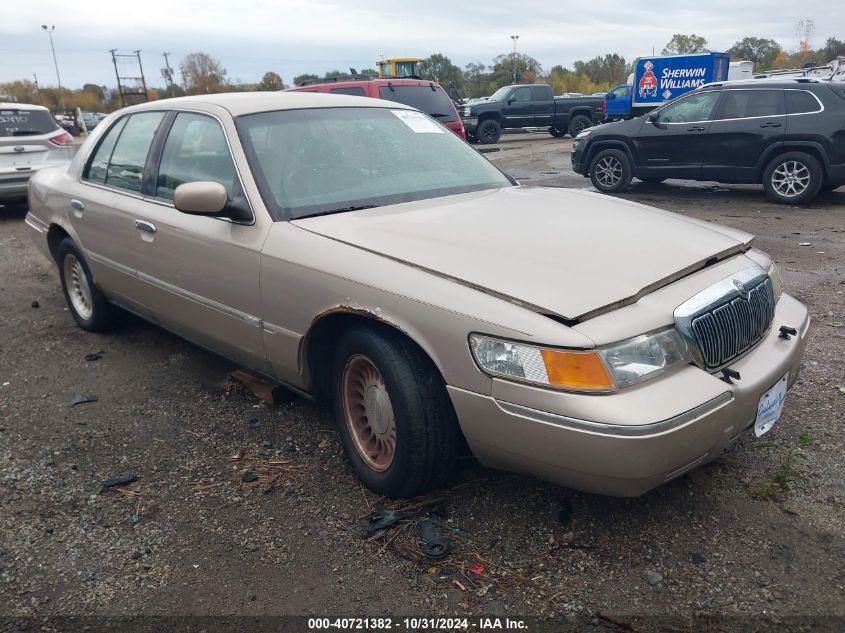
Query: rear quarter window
{"points": [[20, 122], [801, 102], [432, 101]]}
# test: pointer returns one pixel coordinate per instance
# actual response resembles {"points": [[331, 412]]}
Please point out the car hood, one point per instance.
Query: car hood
{"points": [[569, 253]]}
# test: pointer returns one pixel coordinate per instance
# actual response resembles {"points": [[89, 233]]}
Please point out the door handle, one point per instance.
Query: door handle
{"points": [[143, 225], [77, 204], [695, 129], [770, 124]]}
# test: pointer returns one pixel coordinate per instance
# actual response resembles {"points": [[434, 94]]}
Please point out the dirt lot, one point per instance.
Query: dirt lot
{"points": [[758, 533]]}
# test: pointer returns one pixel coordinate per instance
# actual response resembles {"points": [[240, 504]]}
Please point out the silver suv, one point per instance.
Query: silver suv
{"points": [[30, 139]]}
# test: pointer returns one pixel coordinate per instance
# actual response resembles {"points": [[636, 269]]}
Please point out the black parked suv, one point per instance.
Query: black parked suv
{"points": [[788, 135]]}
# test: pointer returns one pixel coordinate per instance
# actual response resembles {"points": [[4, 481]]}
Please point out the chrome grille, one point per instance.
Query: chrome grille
{"points": [[726, 331]]}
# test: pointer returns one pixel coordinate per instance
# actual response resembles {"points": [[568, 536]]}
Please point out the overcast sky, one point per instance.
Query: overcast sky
{"points": [[297, 36]]}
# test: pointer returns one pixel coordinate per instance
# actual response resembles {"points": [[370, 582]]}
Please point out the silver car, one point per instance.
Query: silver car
{"points": [[356, 250], [30, 139]]}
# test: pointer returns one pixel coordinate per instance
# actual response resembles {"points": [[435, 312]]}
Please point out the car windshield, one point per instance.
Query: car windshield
{"points": [[329, 160], [26, 122], [500, 94]]}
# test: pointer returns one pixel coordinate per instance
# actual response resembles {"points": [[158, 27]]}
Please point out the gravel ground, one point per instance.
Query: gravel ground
{"points": [[759, 533]]}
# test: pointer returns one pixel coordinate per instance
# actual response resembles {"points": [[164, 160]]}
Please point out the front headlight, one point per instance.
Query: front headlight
{"points": [[601, 371], [583, 135], [467, 111], [777, 282]]}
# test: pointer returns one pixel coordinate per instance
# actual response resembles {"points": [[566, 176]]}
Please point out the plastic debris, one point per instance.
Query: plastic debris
{"points": [[134, 520], [89, 358], [35, 303], [477, 569], [382, 518], [123, 480], [248, 477], [82, 398], [434, 545]]}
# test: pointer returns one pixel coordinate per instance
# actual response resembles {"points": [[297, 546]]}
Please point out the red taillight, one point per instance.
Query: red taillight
{"points": [[604, 106], [62, 139]]}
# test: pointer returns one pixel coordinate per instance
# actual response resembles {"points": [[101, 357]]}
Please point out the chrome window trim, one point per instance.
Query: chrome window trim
{"points": [[763, 116], [622, 430], [161, 201], [815, 96]]}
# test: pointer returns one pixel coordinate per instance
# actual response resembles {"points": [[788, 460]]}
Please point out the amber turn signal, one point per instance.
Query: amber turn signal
{"points": [[581, 371]]}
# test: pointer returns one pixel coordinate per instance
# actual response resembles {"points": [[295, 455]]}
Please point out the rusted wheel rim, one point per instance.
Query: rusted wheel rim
{"points": [[369, 413]]}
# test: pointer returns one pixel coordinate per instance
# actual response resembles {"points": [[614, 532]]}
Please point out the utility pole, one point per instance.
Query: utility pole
{"points": [[55, 63], [143, 81], [117, 75], [35, 77], [167, 73], [514, 38]]}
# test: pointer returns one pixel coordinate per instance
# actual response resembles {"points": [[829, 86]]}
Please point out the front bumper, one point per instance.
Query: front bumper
{"points": [[627, 443], [470, 124], [578, 157]]}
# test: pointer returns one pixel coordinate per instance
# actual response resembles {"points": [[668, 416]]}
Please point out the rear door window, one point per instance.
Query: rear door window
{"points": [[353, 90], [744, 104], [195, 150], [21, 122], [801, 102], [432, 101], [99, 164], [126, 167]]}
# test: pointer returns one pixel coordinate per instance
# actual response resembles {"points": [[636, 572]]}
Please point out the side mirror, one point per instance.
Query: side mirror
{"points": [[652, 118], [204, 197], [610, 96]]}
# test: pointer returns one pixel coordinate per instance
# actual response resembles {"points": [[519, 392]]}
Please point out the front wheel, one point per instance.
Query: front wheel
{"points": [[792, 178], [557, 132], [610, 171], [394, 417], [489, 132], [89, 307]]}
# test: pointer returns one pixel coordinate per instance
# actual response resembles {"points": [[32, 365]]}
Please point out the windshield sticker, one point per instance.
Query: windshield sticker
{"points": [[418, 122]]}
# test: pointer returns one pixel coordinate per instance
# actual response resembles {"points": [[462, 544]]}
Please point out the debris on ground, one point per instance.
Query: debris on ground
{"points": [[123, 480], [253, 423], [652, 577], [90, 358], [248, 477], [35, 303], [266, 391], [82, 398], [382, 518], [433, 544]]}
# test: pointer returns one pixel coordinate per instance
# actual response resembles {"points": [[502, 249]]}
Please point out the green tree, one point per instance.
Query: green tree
{"points": [[271, 82], [832, 49], [610, 69], [96, 90], [21, 91], [762, 52], [526, 68], [202, 74], [440, 68], [301, 79], [685, 45]]}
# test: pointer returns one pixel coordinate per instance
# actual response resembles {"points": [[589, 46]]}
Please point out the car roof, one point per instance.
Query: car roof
{"points": [[799, 83], [21, 106], [238, 103], [354, 83]]}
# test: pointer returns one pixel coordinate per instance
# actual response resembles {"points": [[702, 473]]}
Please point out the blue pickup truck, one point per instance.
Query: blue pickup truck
{"points": [[658, 80]]}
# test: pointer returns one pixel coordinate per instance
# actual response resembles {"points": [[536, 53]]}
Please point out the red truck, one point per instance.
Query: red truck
{"points": [[426, 96]]}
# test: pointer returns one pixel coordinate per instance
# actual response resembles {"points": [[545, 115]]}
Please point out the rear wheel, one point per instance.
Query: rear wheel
{"points": [[489, 132], [87, 304], [557, 132], [792, 178], [578, 124], [394, 417], [610, 171]]}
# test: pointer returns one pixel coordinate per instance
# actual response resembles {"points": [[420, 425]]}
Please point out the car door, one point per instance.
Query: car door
{"points": [[103, 204], [746, 125], [202, 271], [542, 112], [671, 142], [618, 102], [517, 109]]}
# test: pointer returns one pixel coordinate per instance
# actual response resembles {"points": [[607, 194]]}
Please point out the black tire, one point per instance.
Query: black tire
{"points": [[610, 171], [557, 132], [488, 132], [426, 432], [578, 124], [792, 178], [652, 180], [472, 139], [97, 315]]}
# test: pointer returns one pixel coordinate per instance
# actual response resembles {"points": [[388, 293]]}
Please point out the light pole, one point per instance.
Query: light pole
{"points": [[514, 38], [55, 63]]}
